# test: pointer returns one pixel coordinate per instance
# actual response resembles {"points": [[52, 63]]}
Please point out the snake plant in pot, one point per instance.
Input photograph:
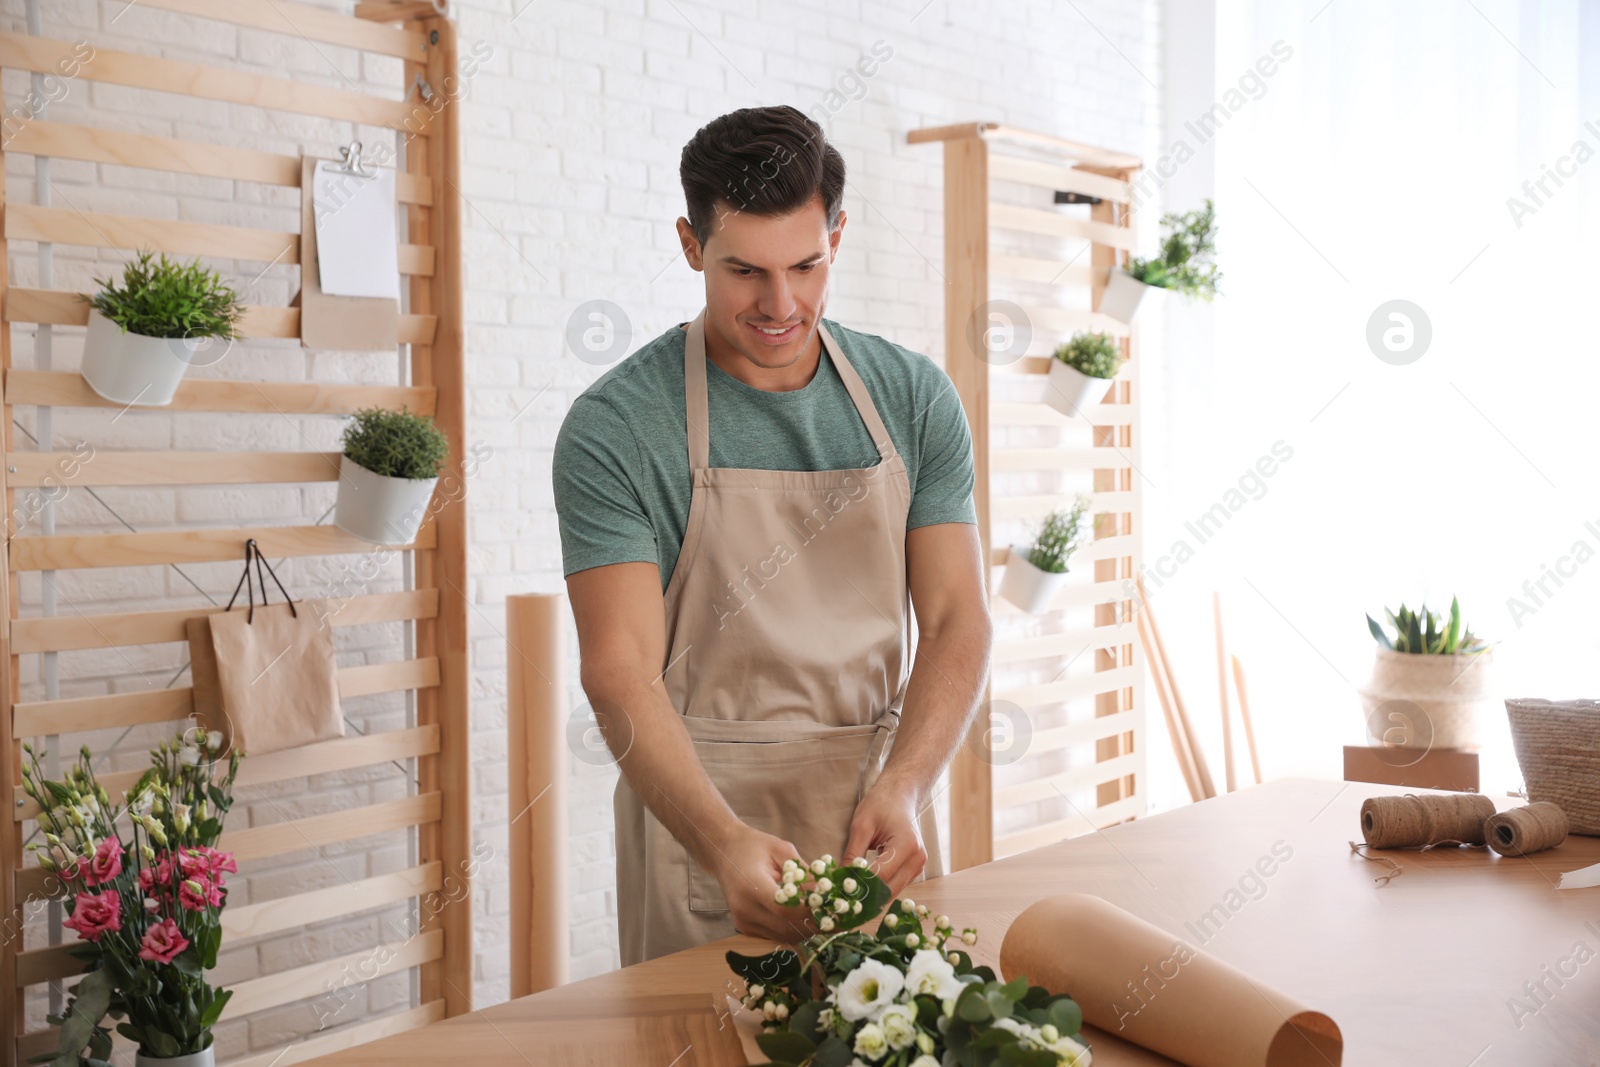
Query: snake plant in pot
{"points": [[1034, 572], [387, 474], [1430, 681], [1081, 372], [145, 333], [1186, 264]]}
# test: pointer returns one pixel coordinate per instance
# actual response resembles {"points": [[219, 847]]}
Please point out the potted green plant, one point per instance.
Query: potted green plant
{"points": [[387, 473], [1034, 572], [1430, 681], [145, 333], [1081, 371], [1187, 264]]}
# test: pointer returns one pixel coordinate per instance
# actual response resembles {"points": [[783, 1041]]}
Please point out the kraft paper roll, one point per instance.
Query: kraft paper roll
{"points": [[1423, 822], [1144, 985], [1531, 828]]}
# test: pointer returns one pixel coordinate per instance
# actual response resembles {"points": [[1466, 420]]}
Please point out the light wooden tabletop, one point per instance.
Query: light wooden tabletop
{"points": [[1426, 970]]}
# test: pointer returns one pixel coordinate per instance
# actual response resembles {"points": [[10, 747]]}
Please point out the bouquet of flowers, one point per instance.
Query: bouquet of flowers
{"points": [[904, 996], [147, 909]]}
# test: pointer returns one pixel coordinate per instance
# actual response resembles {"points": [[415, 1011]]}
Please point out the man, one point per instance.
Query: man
{"points": [[750, 506]]}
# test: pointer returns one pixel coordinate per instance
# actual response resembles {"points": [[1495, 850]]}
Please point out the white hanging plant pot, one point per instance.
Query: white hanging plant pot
{"points": [[378, 508], [1027, 586], [131, 368], [206, 1057], [1122, 295], [1420, 701], [1069, 390]]}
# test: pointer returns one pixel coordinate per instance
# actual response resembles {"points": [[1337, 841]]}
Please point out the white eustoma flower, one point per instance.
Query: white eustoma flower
{"points": [[871, 986], [871, 1043], [930, 973], [1071, 1052], [189, 756], [899, 1022], [924, 1061]]}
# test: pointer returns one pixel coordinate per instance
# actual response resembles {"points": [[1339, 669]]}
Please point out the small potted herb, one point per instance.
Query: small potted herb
{"points": [[1430, 681], [387, 473], [1187, 264], [144, 333], [1081, 371], [1034, 572]]}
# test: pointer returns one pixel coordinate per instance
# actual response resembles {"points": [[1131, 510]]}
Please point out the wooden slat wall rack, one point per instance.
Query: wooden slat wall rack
{"points": [[421, 119], [1066, 753]]}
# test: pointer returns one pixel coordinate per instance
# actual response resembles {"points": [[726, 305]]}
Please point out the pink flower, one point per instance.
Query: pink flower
{"points": [[95, 913], [201, 860], [197, 894], [221, 862], [105, 864], [162, 942], [157, 877]]}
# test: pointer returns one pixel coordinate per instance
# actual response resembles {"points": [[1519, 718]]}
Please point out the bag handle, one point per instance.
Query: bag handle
{"points": [[253, 550]]}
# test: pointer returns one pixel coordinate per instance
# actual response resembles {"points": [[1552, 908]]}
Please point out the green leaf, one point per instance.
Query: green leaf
{"points": [[803, 1020], [780, 967], [1066, 1015], [1377, 632], [786, 1045], [833, 1053], [973, 1005], [188, 962], [1015, 989]]}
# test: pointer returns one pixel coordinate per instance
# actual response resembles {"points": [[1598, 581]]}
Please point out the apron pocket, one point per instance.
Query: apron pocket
{"points": [[803, 789]]}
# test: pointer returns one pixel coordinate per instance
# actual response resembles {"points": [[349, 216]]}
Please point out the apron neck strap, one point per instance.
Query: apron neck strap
{"points": [[698, 409]]}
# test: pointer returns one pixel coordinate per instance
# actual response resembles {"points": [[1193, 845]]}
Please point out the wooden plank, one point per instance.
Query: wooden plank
{"points": [[1069, 643], [323, 757], [1053, 832], [1115, 547], [1037, 507], [1053, 176], [98, 229], [275, 839], [1092, 684], [257, 321], [1038, 271], [346, 1037], [47, 56], [1064, 321], [318, 979], [1081, 458], [305, 21], [61, 633], [68, 389], [173, 467], [1056, 224], [1057, 785], [241, 921], [150, 548], [40, 718], [90, 144], [1057, 738]]}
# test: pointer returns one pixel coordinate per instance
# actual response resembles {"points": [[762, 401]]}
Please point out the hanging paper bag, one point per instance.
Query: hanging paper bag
{"points": [[276, 681]]}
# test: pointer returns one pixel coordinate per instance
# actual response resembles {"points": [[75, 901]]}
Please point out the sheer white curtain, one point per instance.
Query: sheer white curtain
{"points": [[1446, 154]]}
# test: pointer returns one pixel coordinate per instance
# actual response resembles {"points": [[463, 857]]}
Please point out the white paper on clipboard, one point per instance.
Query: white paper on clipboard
{"points": [[357, 253]]}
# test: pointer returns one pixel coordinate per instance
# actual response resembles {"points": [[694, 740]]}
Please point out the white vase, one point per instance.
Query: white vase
{"points": [[378, 508], [130, 368], [1027, 586], [206, 1057], [1421, 701], [1122, 295], [1069, 390]]}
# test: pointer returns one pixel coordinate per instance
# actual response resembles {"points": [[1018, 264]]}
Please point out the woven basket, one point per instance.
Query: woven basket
{"points": [[1558, 747]]}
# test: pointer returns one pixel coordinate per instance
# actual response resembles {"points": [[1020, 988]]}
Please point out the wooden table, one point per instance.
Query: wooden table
{"points": [[1420, 972]]}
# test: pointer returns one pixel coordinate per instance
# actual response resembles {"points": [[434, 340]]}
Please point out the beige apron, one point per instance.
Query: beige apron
{"points": [[787, 655]]}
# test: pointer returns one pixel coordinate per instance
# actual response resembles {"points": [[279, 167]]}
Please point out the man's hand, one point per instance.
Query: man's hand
{"points": [[750, 870], [886, 820]]}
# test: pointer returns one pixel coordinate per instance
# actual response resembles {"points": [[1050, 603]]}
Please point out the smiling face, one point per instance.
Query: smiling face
{"points": [[766, 288]]}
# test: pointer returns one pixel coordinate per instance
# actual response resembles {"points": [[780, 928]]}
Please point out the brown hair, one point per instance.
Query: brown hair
{"points": [[768, 161]]}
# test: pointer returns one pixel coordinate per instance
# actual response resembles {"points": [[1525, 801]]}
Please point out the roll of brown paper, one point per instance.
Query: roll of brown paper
{"points": [[1531, 828], [1424, 821], [1150, 987]]}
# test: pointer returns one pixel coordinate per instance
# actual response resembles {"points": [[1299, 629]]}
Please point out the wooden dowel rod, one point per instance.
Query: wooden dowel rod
{"points": [[1222, 694], [1201, 767], [1244, 714], [537, 793], [1180, 743]]}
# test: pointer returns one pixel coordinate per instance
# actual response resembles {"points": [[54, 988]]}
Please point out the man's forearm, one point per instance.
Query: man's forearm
{"points": [[657, 756], [946, 681]]}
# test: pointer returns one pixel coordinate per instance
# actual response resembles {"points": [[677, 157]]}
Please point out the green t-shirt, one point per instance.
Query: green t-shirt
{"points": [[621, 465]]}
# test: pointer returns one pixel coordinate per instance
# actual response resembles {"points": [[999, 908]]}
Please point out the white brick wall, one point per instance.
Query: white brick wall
{"points": [[572, 134]]}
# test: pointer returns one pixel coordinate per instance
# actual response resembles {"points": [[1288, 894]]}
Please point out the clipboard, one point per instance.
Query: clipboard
{"points": [[348, 323]]}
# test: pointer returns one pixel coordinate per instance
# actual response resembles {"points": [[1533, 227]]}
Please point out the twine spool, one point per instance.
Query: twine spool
{"points": [[1423, 822], [1532, 828]]}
